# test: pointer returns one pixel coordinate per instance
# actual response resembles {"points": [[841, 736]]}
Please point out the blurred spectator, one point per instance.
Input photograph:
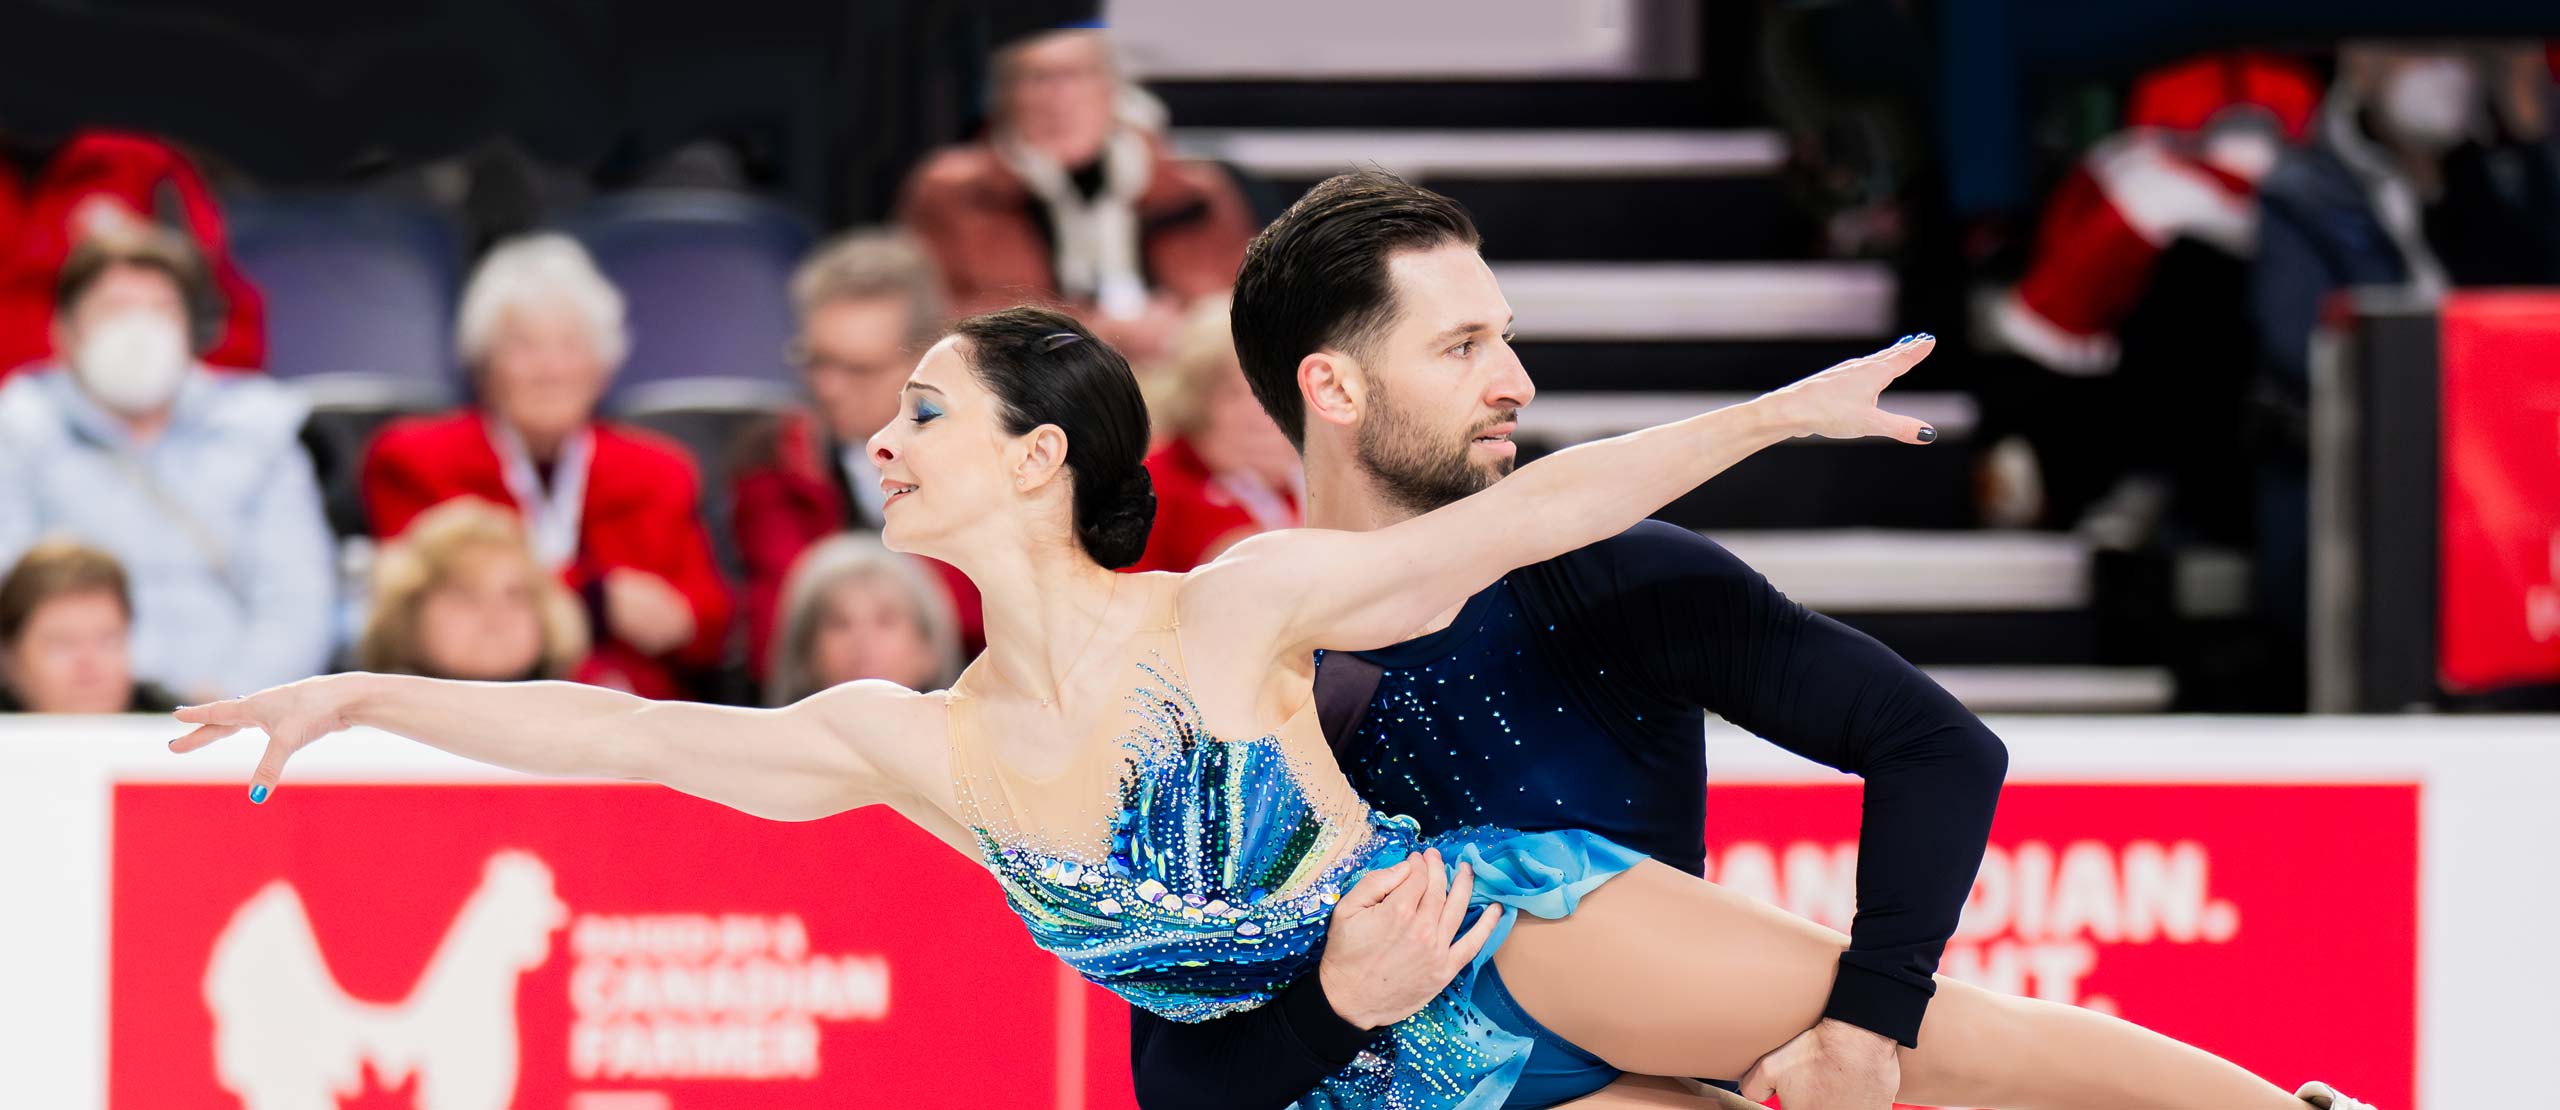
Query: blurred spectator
{"points": [[2429, 167], [1224, 470], [853, 609], [2198, 137], [1069, 198], [2139, 259], [65, 615], [868, 303], [460, 595], [51, 199], [196, 483], [612, 509]]}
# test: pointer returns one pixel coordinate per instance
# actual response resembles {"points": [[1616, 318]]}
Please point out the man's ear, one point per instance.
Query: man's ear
{"points": [[1334, 387]]}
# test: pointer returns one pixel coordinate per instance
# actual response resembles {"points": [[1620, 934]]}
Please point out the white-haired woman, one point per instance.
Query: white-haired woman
{"points": [[853, 609], [610, 508]]}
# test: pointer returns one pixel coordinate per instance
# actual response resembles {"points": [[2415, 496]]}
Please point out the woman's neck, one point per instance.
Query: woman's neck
{"points": [[1044, 609]]}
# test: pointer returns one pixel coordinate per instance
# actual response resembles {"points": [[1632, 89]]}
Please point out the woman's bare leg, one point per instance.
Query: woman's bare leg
{"points": [[1662, 974]]}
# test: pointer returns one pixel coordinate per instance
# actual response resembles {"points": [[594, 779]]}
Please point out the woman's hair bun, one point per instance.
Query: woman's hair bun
{"points": [[1115, 533]]}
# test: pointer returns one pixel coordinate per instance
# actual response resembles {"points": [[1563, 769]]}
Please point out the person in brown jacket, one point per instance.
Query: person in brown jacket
{"points": [[1069, 201]]}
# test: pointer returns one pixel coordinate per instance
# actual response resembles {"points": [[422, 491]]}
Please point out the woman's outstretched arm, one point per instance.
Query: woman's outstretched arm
{"points": [[1355, 590], [800, 762]]}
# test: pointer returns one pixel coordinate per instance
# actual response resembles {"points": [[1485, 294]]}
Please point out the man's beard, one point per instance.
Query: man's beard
{"points": [[1415, 468]]}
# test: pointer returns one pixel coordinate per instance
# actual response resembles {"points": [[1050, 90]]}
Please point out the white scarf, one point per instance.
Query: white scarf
{"points": [[551, 516], [1270, 511], [1097, 240]]}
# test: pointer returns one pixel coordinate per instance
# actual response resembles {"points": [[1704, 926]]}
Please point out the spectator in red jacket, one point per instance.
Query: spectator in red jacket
{"points": [[1072, 198], [612, 509], [103, 182], [869, 304], [1224, 470]]}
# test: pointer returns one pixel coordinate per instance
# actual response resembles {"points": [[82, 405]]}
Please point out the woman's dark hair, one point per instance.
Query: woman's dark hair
{"points": [[1045, 368], [1317, 278]]}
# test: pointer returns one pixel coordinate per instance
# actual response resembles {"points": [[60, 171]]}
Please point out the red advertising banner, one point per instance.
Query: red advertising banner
{"points": [[2274, 925], [587, 947], [604, 947], [2499, 538]]}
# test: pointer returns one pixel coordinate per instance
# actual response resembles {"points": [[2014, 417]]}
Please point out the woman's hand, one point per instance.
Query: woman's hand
{"points": [[1840, 403], [292, 715]]}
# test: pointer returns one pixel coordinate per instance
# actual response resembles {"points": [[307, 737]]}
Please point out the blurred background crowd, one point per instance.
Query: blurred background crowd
{"points": [[541, 341]]}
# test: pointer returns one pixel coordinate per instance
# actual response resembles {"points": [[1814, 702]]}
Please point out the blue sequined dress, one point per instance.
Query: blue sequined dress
{"points": [[1194, 875]]}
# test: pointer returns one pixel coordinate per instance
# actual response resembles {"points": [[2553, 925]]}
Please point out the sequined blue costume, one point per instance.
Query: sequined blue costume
{"points": [[1194, 877]]}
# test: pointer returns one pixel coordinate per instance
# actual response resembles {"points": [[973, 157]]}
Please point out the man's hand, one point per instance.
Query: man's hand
{"points": [[1389, 950], [1832, 1066]]}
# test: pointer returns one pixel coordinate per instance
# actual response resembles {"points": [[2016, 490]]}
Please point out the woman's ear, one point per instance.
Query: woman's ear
{"points": [[1040, 454], [1333, 388]]}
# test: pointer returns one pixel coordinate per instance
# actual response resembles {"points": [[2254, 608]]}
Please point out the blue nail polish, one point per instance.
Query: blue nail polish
{"points": [[1924, 335], [1904, 339], [257, 795]]}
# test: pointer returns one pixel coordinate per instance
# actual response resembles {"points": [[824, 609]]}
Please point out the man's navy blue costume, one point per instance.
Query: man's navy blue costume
{"points": [[1573, 694]]}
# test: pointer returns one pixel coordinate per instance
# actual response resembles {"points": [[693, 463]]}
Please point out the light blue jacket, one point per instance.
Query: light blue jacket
{"points": [[238, 601]]}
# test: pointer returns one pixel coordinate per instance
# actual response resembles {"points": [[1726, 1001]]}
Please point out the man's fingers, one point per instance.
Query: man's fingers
{"points": [[1408, 891], [1426, 872], [1755, 1084], [1374, 887], [1464, 951], [1435, 890], [201, 736], [1453, 910]]}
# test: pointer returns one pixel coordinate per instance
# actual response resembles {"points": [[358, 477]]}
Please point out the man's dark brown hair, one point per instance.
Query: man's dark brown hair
{"points": [[1317, 278]]}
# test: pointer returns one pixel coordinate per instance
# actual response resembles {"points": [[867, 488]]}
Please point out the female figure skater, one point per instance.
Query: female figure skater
{"points": [[1136, 758]]}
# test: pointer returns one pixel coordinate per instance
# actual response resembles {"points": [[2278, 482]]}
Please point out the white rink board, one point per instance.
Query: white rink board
{"points": [[2489, 829]]}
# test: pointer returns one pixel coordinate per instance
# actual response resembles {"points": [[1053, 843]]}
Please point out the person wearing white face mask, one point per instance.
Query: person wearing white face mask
{"points": [[196, 483], [2431, 166]]}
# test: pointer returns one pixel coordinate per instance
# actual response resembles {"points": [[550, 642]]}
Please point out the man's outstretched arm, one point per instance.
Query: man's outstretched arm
{"points": [[1710, 629]]}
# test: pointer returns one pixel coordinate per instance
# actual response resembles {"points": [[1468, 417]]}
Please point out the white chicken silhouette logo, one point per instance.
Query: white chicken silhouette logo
{"points": [[287, 1037]]}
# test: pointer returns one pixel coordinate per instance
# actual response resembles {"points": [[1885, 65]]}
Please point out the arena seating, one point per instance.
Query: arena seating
{"points": [[1645, 236]]}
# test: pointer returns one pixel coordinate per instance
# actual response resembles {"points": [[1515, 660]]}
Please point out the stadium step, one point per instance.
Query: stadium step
{"points": [[1672, 301], [1552, 195], [1490, 105]]}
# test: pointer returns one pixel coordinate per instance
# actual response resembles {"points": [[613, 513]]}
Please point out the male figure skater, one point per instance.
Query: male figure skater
{"points": [[1572, 694]]}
